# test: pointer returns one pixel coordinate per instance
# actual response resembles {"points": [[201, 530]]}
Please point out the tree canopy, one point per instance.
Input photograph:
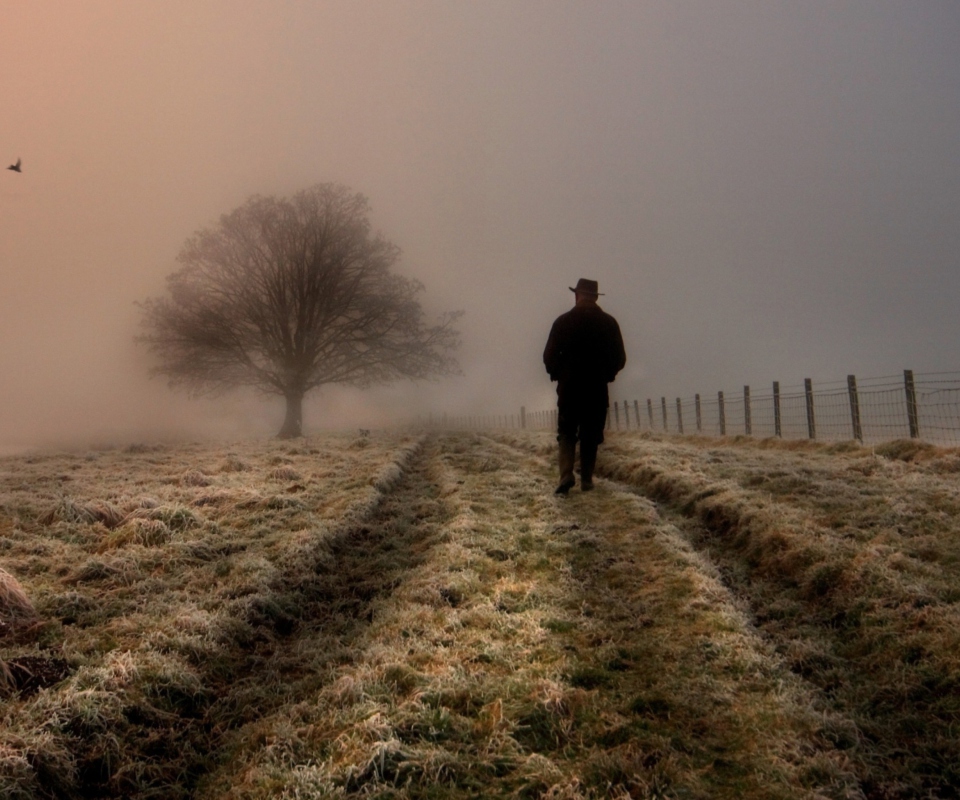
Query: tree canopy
{"points": [[288, 294]]}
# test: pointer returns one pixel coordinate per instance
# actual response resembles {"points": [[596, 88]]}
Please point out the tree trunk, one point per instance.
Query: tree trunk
{"points": [[293, 423]]}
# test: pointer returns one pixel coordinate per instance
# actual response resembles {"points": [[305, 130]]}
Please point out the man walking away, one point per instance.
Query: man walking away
{"points": [[583, 354]]}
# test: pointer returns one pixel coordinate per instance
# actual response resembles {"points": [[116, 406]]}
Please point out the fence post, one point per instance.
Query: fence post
{"points": [[616, 413], [626, 415], [747, 426], [679, 418], [854, 407], [778, 431], [663, 407], [811, 420], [696, 402], [723, 416], [650, 412], [912, 416], [523, 416], [636, 412]]}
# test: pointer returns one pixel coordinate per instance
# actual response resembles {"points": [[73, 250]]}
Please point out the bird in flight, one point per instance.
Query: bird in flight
{"points": [[15, 167]]}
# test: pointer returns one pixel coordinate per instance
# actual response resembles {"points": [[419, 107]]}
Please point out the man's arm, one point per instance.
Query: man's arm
{"points": [[618, 355], [551, 354]]}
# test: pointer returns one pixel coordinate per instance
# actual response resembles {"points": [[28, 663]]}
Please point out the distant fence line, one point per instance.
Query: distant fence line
{"points": [[923, 406]]}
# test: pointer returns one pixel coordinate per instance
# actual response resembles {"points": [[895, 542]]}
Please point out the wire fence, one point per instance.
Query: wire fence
{"points": [[924, 406]]}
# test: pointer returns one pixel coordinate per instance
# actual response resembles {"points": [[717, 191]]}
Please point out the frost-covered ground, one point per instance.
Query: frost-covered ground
{"points": [[407, 615]]}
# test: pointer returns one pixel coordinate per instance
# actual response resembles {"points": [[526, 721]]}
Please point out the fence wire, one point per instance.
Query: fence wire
{"points": [[922, 406], [873, 410]]}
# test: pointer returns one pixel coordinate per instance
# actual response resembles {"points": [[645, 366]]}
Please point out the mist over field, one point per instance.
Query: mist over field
{"points": [[764, 191]]}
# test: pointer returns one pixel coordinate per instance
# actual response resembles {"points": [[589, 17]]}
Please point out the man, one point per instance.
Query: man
{"points": [[583, 354]]}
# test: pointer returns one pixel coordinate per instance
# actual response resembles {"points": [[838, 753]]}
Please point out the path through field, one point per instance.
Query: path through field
{"points": [[422, 617], [537, 646]]}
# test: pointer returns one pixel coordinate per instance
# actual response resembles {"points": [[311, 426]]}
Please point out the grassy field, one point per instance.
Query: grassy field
{"points": [[417, 615]]}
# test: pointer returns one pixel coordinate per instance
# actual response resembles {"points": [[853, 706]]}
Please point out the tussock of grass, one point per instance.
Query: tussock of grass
{"points": [[16, 610], [233, 463], [194, 477], [911, 450], [284, 472], [66, 510], [137, 531]]}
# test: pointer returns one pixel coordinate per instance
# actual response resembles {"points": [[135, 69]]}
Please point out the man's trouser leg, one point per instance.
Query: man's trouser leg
{"points": [[568, 452], [588, 460], [567, 423], [591, 435]]}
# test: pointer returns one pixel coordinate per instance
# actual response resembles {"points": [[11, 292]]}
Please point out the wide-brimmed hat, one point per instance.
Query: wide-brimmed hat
{"points": [[585, 286]]}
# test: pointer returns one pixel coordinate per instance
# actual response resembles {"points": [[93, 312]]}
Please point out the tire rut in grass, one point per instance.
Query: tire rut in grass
{"points": [[327, 604], [886, 719], [893, 706], [175, 730], [686, 697]]}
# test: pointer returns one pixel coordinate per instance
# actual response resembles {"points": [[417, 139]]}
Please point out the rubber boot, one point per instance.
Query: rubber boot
{"points": [[568, 453], [588, 460]]}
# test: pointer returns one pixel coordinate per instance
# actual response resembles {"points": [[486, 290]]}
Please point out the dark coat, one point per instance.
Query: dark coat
{"points": [[584, 351]]}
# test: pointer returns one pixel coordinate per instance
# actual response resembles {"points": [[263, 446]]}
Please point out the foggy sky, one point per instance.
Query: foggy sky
{"points": [[764, 190]]}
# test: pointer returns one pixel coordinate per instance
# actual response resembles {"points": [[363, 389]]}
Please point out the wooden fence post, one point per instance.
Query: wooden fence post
{"points": [[723, 416], [616, 413], [626, 415], [650, 412], [679, 418], [747, 426], [523, 416], [663, 407], [777, 430], [811, 420], [636, 412], [912, 416], [696, 402], [854, 407]]}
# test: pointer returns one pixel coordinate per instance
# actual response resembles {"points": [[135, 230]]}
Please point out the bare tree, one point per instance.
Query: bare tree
{"points": [[288, 294]]}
